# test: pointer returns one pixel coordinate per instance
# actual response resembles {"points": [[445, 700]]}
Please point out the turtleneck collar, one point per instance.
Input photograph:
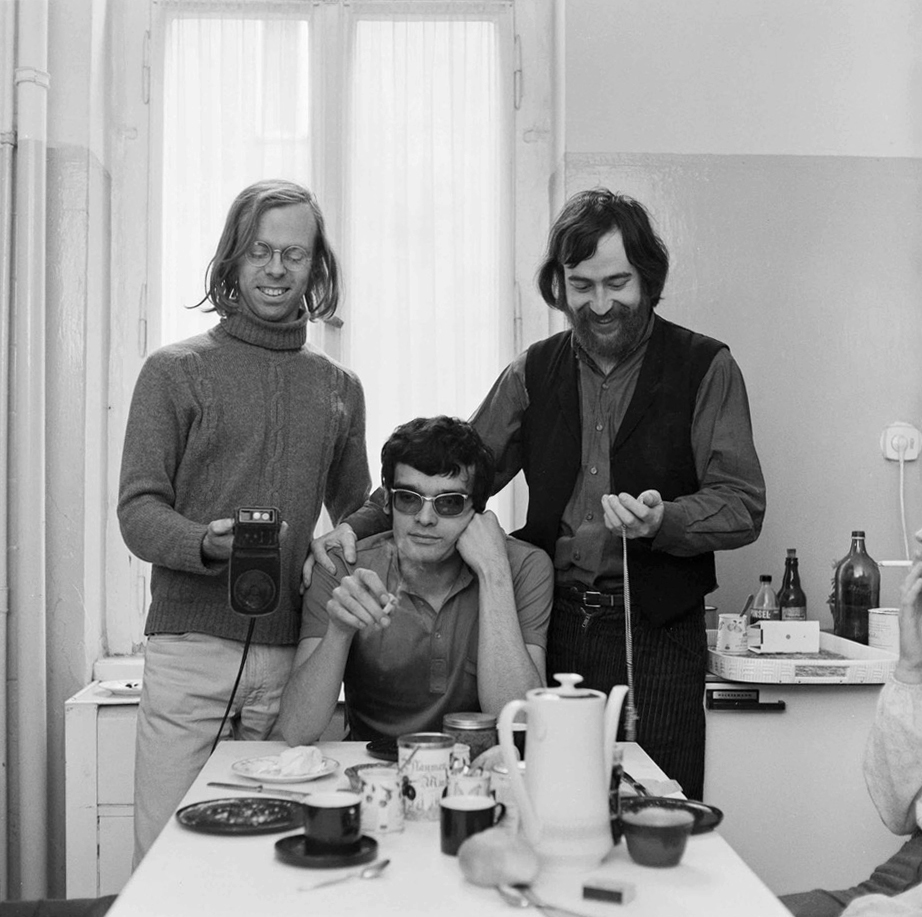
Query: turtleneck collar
{"points": [[251, 329]]}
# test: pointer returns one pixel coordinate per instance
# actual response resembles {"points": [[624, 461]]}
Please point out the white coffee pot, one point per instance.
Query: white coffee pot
{"points": [[570, 744]]}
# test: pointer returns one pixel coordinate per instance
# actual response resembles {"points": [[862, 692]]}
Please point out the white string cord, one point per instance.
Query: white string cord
{"points": [[630, 710], [903, 504]]}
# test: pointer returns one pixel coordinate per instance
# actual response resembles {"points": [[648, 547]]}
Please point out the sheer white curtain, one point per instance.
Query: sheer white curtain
{"points": [[399, 116], [430, 305], [236, 109]]}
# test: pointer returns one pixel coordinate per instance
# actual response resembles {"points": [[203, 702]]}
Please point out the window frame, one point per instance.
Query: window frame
{"points": [[135, 223]]}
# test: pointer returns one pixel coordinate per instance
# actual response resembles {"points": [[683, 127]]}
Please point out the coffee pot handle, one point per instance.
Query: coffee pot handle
{"points": [[530, 821], [612, 719]]}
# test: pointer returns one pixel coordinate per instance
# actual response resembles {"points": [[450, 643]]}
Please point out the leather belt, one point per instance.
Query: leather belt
{"points": [[589, 598]]}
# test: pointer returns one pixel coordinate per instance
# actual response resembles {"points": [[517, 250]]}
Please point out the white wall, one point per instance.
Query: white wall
{"points": [[772, 77], [804, 258]]}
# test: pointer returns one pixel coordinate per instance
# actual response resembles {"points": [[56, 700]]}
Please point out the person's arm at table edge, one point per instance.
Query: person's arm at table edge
{"points": [[310, 697], [892, 762], [507, 667]]}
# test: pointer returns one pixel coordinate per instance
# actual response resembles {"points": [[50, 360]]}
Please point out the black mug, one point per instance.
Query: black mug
{"points": [[463, 816], [332, 822]]}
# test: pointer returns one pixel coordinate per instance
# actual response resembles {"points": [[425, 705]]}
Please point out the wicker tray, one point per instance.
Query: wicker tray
{"points": [[839, 661]]}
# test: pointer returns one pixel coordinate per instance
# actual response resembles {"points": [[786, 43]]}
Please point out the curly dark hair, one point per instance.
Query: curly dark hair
{"points": [[574, 237], [323, 289], [437, 446]]}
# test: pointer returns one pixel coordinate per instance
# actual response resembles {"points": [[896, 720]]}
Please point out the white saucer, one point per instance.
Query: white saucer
{"points": [[256, 769], [122, 688]]}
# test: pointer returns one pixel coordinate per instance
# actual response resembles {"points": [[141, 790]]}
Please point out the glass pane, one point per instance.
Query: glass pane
{"points": [[235, 110], [427, 294]]}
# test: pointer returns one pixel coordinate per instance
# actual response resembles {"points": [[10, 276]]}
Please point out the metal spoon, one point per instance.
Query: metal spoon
{"points": [[369, 872], [523, 896]]}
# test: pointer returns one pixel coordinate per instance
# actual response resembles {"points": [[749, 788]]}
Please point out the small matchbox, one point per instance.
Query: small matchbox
{"points": [[607, 890]]}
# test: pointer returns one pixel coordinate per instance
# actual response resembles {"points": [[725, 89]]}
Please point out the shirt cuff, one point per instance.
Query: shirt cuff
{"points": [[672, 529]]}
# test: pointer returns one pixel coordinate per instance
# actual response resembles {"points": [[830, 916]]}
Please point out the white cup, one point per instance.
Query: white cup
{"points": [[382, 801], [731, 635]]}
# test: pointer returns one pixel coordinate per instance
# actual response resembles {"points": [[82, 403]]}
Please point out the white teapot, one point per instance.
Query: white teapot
{"points": [[563, 800]]}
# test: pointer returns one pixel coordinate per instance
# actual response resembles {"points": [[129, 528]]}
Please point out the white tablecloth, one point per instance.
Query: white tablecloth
{"points": [[188, 874]]}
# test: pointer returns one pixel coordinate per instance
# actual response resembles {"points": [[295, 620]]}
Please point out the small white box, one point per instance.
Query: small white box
{"points": [[784, 637]]}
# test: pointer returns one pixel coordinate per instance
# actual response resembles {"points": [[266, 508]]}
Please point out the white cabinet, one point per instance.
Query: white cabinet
{"points": [[99, 734], [790, 783]]}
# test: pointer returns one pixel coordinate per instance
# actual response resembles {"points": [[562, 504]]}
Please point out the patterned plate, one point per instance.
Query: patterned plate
{"points": [[245, 815]]}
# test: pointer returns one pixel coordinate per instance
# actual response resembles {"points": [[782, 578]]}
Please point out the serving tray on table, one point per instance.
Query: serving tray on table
{"points": [[839, 661]]}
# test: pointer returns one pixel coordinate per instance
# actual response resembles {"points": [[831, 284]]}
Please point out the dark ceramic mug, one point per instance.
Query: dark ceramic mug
{"points": [[332, 822], [463, 816]]}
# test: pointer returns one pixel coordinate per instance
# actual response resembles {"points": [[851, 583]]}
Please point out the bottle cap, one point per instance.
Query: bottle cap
{"points": [[858, 533], [792, 552], [765, 578]]}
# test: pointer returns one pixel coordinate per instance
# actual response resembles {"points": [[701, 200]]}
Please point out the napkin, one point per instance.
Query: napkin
{"points": [[303, 759]]}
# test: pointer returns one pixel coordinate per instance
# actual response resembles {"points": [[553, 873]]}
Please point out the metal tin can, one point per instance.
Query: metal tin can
{"points": [[476, 730], [884, 629], [425, 776]]}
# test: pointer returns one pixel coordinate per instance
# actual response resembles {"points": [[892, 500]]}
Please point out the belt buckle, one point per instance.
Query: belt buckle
{"points": [[592, 599]]}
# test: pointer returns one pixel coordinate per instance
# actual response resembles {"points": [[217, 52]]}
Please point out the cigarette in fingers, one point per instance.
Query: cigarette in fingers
{"points": [[391, 603]]}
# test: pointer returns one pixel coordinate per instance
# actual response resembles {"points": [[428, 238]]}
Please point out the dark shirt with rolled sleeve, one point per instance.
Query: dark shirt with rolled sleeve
{"points": [[725, 512]]}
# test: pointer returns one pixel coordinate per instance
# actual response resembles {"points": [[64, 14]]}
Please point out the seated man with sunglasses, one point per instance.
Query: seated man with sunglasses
{"points": [[445, 613]]}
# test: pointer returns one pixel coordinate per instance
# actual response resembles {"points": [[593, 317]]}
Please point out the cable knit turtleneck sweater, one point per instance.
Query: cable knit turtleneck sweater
{"points": [[247, 414]]}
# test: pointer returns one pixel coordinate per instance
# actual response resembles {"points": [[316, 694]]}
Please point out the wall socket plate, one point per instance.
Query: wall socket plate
{"points": [[900, 440]]}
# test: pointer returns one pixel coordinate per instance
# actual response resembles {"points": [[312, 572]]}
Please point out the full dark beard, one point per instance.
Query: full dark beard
{"points": [[619, 338]]}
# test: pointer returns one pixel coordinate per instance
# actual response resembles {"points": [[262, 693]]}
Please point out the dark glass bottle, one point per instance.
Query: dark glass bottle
{"points": [[791, 598], [855, 589]]}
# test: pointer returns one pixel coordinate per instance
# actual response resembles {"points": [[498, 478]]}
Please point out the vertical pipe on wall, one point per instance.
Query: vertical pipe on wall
{"points": [[7, 143], [29, 858]]}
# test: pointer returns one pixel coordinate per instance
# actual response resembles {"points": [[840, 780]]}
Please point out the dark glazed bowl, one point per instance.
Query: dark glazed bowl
{"points": [[656, 836], [706, 817]]}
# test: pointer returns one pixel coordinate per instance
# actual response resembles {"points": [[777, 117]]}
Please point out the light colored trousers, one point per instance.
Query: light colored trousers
{"points": [[187, 683]]}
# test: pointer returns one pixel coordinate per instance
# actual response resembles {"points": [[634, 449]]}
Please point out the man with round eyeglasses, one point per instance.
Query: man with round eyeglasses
{"points": [[246, 414], [444, 613]]}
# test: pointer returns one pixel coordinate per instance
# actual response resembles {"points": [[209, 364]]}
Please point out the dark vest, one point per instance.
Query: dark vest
{"points": [[651, 450]]}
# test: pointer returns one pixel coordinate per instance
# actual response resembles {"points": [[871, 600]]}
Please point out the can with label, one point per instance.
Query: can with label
{"points": [[425, 774], [884, 629], [476, 730]]}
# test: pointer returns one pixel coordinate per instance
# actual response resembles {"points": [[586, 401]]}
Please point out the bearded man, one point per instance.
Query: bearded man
{"points": [[636, 442]]}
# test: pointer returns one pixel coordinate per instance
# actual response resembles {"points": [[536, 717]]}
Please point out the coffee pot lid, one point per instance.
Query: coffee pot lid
{"points": [[568, 689]]}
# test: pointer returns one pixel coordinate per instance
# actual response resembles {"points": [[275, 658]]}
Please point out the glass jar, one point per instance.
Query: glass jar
{"points": [[476, 730]]}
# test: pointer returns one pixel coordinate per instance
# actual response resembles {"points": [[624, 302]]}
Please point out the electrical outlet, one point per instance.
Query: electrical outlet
{"points": [[900, 440]]}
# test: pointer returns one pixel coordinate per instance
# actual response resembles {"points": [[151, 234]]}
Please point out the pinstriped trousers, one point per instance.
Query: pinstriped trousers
{"points": [[669, 669]]}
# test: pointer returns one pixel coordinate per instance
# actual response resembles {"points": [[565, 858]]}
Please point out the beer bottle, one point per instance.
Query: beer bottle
{"points": [[855, 589], [791, 598], [765, 605]]}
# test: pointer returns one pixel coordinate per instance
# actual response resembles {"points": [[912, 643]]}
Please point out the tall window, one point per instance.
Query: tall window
{"points": [[398, 115]]}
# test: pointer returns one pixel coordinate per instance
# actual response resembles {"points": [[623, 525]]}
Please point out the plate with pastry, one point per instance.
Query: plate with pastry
{"points": [[294, 765]]}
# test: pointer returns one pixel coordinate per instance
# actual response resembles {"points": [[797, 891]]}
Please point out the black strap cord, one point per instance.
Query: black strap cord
{"points": [[230, 703]]}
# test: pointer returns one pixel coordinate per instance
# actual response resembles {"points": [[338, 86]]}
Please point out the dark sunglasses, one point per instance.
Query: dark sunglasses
{"points": [[409, 502]]}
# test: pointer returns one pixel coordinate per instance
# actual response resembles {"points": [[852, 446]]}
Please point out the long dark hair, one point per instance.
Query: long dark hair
{"points": [[575, 235], [323, 290]]}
